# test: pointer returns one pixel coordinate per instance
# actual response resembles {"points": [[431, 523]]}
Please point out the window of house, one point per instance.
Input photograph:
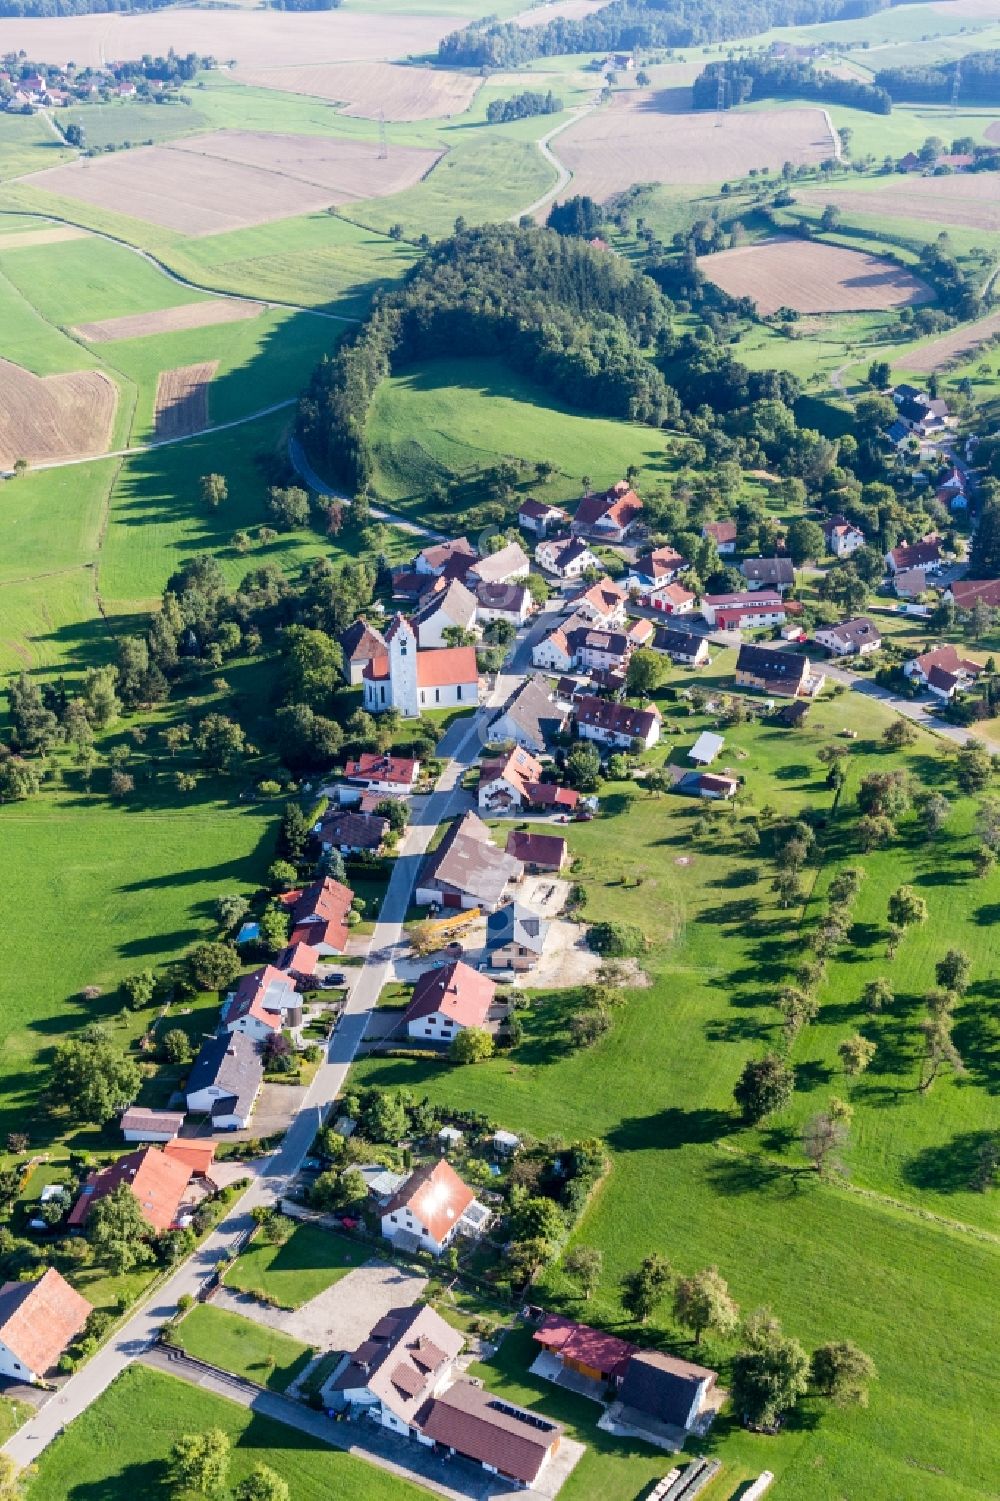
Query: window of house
{"points": [[437, 695], [458, 691]]}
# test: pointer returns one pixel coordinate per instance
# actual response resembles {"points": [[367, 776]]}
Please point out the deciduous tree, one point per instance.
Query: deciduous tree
{"points": [[703, 1302]]}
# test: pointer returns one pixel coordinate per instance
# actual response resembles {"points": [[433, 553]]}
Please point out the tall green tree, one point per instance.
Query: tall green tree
{"points": [[199, 1462], [703, 1302], [118, 1232], [643, 1290]]}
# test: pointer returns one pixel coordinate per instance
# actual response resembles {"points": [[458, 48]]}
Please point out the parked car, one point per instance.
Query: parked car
{"points": [[333, 981]]}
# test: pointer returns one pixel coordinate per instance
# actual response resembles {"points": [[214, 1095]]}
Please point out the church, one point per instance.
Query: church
{"points": [[410, 681]]}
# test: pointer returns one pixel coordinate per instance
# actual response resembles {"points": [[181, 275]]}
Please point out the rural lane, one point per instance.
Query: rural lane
{"points": [[563, 172], [305, 471]]}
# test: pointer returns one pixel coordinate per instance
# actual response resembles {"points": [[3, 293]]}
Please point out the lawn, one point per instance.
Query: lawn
{"points": [[132, 122], [118, 1449], [875, 1258], [246, 1348], [307, 1263], [28, 145]]}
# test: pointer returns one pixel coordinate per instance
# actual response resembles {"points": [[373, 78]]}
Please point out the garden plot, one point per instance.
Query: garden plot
{"points": [[182, 400], [642, 137], [370, 89], [812, 278], [169, 320], [969, 200], [54, 417], [232, 179]]}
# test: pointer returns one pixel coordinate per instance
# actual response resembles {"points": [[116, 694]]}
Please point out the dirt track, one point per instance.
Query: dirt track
{"points": [[182, 400], [168, 320], [812, 278], [58, 417]]}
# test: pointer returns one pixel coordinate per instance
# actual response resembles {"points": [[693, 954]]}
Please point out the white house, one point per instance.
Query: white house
{"points": [[851, 638], [604, 603], [442, 555], [510, 602], [394, 775], [432, 1208], [505, 783], [925, 554], [842, 537], [566, 557], [505, 566], [530, 717], [448, 606], [617, 725], [539, 518], [446, 1001], [225, 1080], [728, 612], [723, 534], [405, 1359], [682, 646], [655, 571], [411, 681], [942, 671], [263, 1002], [609, 516], [38, 1320]]}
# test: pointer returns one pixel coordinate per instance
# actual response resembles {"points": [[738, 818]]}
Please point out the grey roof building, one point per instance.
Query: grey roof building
{"points": [[670, 1390], [514, 923], [225, 1079], [530, 717]]}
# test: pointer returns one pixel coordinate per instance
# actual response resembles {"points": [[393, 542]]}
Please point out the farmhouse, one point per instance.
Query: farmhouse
{"points": [[440, 556], [352, 833], [842, 536], [431, 1208], [445, 1001], [140, 1124], [617, 725], [851, 638], [530, 716], [925, 554], [723, 534], [540, 854], [410, 681], [157, 1180], [319, 915], [538, 518], [604, 603], [566, 557], [681, 646], [360, 643], [263, 1002], [737, 612], [942, 671], [510, 602], [610, 517], [782, 672], [515, 937], [508, 1441], [505, 566], [38, 1321], [467, 870], [773, 574], [405, 1359], [395, 775], [447, 606], [225, 1080]]}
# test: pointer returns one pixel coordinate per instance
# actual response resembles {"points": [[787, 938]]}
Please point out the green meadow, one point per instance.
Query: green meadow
{"points": [[132, 122], [28, 145]]}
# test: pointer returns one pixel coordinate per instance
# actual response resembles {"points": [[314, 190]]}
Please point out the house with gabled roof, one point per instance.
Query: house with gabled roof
{"points": [[405, 1359], [432, 1208], [925, 553], [944, 671], [38, 1322], [225, 1080], [264, 1001], [603, 603], [510, 602], [965, 593], [393, 775], [842, 537], [780, 672], [505, 566], [446, 1001], [539, 853], [447, 606], [672, 1392], [609, 516], [360, 643], [539, 518], [467, 869], [351, 832], [681, 646], [504, 782], [850, 638], [618, 726], [158, 1182], [566, 557], [723, 534], [530, 716], [438, 555], [774, 574], [515, 937], [319, 915], [653, 572]]}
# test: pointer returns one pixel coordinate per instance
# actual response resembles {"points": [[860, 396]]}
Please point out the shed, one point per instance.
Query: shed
{"points": [[706, 748]]}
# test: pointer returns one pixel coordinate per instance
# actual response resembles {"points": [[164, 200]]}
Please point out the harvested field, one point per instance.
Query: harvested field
{"points": [[558, 10], [168, 320], [365, 89], [642, 137], [969, 200], [55, 417], [812, 278], [182, 400], [960, 344], [233, 179], [255, 39], [53, 236]]}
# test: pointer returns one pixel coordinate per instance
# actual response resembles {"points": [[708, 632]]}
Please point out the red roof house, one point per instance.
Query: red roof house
{"points": [[158, 1182], [37, 1322], [319, 915], [446, 1000]]}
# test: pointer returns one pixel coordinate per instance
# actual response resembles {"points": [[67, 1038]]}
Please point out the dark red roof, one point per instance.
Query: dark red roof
{"points": [[591, 1347]]}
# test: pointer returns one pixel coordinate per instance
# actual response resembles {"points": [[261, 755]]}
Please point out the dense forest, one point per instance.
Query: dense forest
{"points": [[779, 78], [573, 318], [978, 81], [625, 24]]}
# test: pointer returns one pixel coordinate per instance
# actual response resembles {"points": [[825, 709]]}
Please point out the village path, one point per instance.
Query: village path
{"points": [[461, 745], [305, 471], [564, 175]]}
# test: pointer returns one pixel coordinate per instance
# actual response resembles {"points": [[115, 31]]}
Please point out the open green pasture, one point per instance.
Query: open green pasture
{"points": [[132, 122], [52, 519], [452, 417], [240, 1345], [85, 280], [119, 1448], [51, 623], [28, 145], [298, 1269], [904, 130], [29, 339], [902, 1256]]}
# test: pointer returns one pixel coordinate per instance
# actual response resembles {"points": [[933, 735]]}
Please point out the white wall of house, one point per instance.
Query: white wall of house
{"points": [[499, 788], [430, 632], [403, 1219], [252, 1026], [847, 648], [593, 658], [550, 656], [484, 613], [436, 1028], [12, 1367], [506, 728]]}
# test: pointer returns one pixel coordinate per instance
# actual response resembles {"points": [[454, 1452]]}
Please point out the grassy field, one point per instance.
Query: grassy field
{"points": [[28, 145], [309, 1261], [889, 1257], [84, 280], [118, 1449], [248, 1349], [132, 122]]}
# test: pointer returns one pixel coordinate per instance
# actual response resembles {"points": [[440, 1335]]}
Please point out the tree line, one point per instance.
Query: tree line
{"points": [[782, 78], [520, 106], [975, 80]]}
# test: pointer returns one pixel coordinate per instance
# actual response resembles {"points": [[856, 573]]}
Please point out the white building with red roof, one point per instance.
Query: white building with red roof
{"points": [[925, 553], [651, 575], [265, 1000], [539, 518], [617, 725], [393, 775], [723, 534], [943, 671], [610, 516], [447, 1001], [432, 1208], [604, 603], [411, 681], [38, 1320], [319, 915], [158, 1181]]}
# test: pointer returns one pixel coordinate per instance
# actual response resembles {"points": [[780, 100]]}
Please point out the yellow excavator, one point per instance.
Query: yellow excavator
{"points": [[438, 933]]}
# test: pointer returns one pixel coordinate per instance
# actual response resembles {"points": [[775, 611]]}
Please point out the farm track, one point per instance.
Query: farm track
{"points": [[564, 175]]}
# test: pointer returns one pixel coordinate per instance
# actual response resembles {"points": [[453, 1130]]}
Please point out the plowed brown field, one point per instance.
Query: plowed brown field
{"points": [[960, 343], [55, 417], [168, 320], [182, 400], [812, 278], [969, 200], [370, 89]]}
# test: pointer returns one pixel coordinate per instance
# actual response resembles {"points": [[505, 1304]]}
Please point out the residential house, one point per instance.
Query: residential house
{"points": [[264, 1001], [713, 784], [604, 603], [140, 1124], [319, 915], [610, 517], [361, 643], [352, 833], [300, 962], [618, 726], [515, 937], [681, 646], [772, 574], [706, 748], [446, 1001], [898, 433], [431, 1208], [530, 717], [672, 599], [670, 1391], [842, 537], [566, 557], [539, 518], [641, 632], [410, 681], [225, 1080], [510, 602], [437, 558], [393, 775], [514, 1443], [158, 1182], [581, 645], [404, 1359], [943, 671], [739, 612], [38, 1322], [506, 566], [447, 606], [409, 586], [540, 854], [504, 783], [467, 870], [771, 671], [723, 534], [965, 593], [910, 583], [653, 572], [925, 554], [851, 638]]}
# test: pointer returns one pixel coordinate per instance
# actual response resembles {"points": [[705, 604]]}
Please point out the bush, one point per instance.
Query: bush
{"points": [[617, 940]]}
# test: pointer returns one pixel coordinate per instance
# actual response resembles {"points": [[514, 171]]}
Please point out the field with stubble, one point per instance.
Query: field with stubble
{"points": [[368, 89], [812, 278], [182, 399], [55, 416]]}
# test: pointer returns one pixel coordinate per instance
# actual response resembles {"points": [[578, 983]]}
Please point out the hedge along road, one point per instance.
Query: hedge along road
{"points": [[461, 745]]}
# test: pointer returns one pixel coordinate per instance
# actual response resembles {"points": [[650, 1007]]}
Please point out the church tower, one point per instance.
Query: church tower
{"points": [[402, 644]]}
